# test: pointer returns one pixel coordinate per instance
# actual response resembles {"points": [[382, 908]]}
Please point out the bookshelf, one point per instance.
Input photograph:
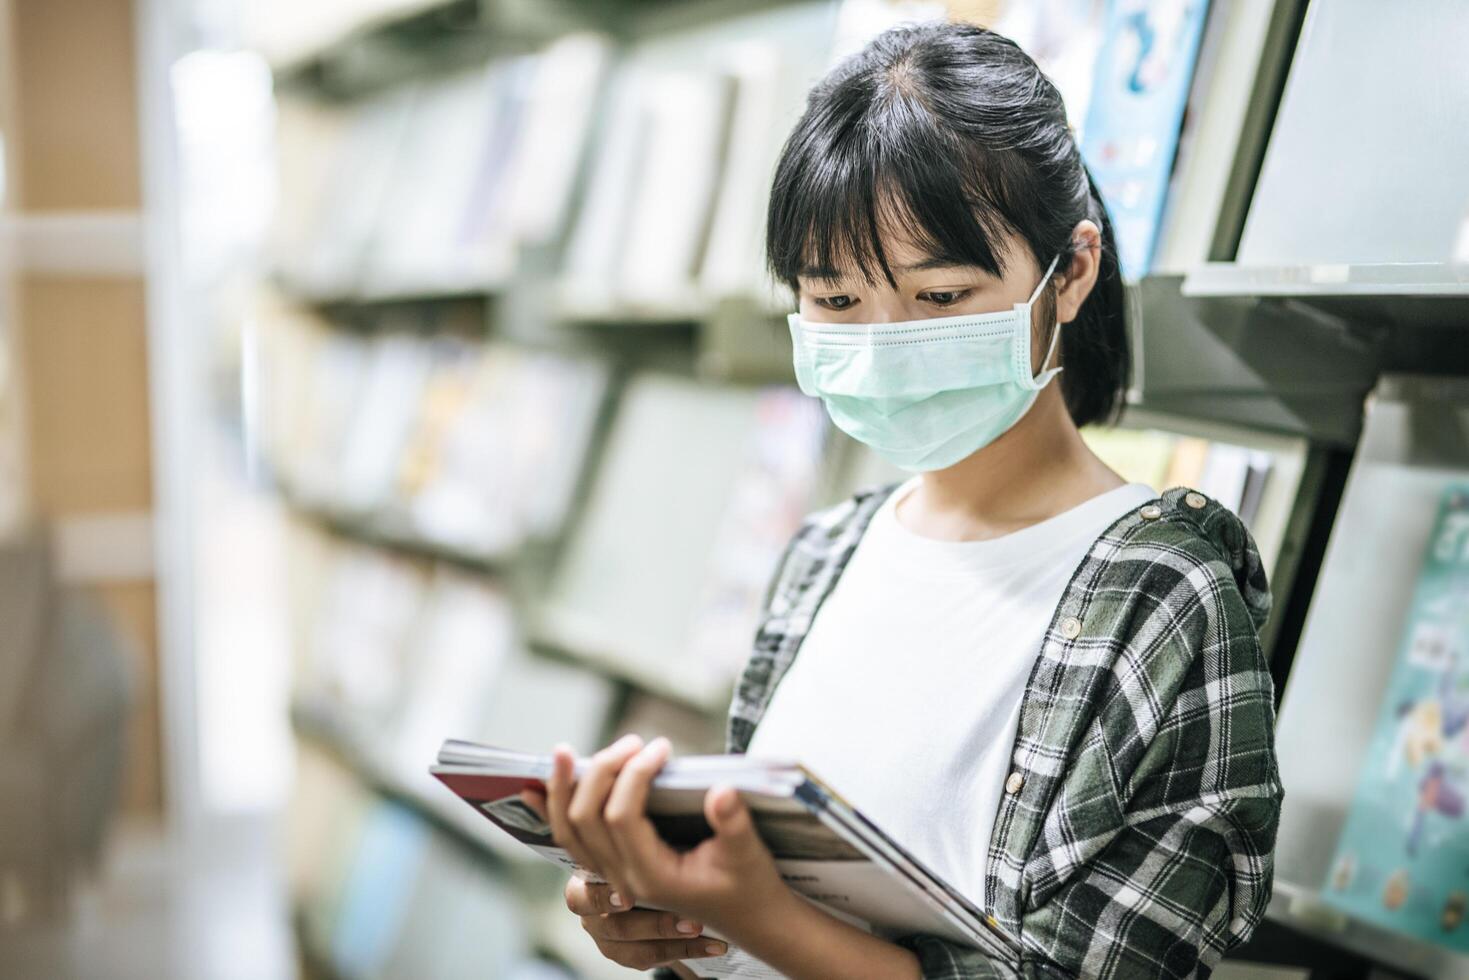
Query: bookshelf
{"points": [[1344, 662], [528, 398], [482, 327]]}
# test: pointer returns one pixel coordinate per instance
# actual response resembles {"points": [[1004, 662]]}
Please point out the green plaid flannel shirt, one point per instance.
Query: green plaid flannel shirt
{"points": [[1141, 841]]}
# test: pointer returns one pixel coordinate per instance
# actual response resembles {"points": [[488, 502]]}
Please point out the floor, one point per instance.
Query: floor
{"points": [[162, 909]]}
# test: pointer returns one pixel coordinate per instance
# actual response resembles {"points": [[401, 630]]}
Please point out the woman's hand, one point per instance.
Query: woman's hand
{"points": [[726, 882], [637, 938]]}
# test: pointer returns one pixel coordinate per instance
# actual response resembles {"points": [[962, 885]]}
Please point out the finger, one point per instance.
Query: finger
{"points": [[646, 955], [589, 797], [558, 792], [730, 817], [534, 799], [626, 814], [590, 898], [641, 925]]}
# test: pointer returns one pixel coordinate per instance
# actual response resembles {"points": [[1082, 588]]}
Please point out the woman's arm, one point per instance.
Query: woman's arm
{"points": [[802, 941]]}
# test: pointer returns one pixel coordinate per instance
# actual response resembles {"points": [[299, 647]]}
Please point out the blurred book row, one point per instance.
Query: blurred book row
{"points": [[643, 173], [642, 165], [472, 452], [381, 891]]}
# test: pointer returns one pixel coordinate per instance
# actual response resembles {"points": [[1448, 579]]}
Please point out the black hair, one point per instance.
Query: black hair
{"points": [[953, 133]]}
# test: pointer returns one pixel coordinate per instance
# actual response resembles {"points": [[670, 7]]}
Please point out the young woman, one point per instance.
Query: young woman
{"points": [[1045, 680]]}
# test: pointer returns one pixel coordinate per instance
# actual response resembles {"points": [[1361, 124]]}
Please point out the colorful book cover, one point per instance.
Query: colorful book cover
{"points": [[374, 903], [1402, 860], [1143, 73]]}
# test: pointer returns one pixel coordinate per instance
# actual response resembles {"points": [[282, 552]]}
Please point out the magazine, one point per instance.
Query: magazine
{"points": [[824, 848], [1400, 859]]}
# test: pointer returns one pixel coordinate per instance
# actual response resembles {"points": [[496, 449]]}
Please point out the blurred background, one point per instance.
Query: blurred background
{"points": [[378, 371]]}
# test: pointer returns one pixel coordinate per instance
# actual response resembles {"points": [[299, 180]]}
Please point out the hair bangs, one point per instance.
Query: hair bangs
{"points": [[836, 200]]}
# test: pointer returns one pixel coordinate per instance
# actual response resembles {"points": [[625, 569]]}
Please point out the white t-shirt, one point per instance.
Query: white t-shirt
{"points": [[905, 694]]}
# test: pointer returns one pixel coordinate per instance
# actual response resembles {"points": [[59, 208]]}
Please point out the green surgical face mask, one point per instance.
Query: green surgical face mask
{"points": [[924, 394]]}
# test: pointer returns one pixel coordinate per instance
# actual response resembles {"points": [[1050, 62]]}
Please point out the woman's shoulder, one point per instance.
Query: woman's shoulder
{"points": [[838, 524], [1170, 602], [1171, 549], [1176, 548], [850, 511], [819, 548]]}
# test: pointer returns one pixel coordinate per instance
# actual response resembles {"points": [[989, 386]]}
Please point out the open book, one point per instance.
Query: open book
{"points": [[825, 849]]}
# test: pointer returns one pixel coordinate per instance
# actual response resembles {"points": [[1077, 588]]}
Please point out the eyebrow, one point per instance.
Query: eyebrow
{"points": [[932, 262]]}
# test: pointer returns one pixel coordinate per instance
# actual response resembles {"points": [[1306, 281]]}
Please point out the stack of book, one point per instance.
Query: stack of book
{"points": [[825, 848]]}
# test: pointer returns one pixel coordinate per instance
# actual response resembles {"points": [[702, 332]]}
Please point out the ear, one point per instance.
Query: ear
{"points": [[1078, 278]]}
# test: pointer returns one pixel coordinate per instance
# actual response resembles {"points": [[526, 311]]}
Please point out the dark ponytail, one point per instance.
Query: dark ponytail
{"points": [[927, 116], [1096, 346]]}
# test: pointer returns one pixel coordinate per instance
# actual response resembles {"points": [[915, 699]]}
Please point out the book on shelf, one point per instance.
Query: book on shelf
{"points": [[1213, 135], [433, 187], [501, 464], [1062, 37], [413, 245], [424, 437], [356, 639], [825, 848], [768, 498], [762, 109], [1399, 860], [356, 187], [381, 879], [597, 235], [1234, 475], [687, 468], [453, 897], [398, 370], [663, 245], [470, 673], [560, 107], [463, 638], [1144, 69]]}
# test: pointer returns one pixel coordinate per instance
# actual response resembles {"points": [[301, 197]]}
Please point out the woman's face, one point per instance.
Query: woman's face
{"points": [[928, 287]]}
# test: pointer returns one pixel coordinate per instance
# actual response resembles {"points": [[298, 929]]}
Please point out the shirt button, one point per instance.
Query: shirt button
{"points": [[1014, 782], [1194, 499], [1070, 627], [1151, 511]]}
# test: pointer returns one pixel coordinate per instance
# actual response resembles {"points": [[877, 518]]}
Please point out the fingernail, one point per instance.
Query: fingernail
{"points": [[714, 947], [685, 926], [615, 899]]}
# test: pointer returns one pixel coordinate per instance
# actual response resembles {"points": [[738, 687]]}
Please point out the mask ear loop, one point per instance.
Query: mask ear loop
{"points": [[1044, 377]]}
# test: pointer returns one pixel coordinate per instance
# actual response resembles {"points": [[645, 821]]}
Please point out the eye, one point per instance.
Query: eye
{"points": [[946, 297], [834, 302]]}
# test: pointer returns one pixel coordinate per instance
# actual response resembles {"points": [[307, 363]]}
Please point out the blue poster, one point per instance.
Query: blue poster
{"points": [[1143, 73], [1402, 860]]}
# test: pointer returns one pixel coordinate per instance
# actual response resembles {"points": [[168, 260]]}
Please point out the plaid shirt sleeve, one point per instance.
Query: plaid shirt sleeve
{"points": [[1155, 856]]}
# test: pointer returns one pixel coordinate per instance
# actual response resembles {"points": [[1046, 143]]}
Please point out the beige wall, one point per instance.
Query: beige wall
{"points": [[76, 111], [82, 337]]}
